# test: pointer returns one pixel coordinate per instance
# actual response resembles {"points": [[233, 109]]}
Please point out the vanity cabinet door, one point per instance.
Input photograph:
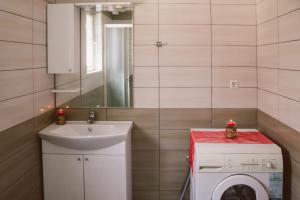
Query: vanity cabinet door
{"points": [[105, 177], [63, 177]]}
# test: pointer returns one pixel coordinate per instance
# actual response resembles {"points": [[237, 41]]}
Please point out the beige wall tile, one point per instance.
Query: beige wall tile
{"points": [[145, 77], [289, 54], [233, 56], [267, 33], [289, 112], [185, 34], [15, 56], [65, 1], [233, 14], [145, 34], [145, 56], [234, 98], [233, 2], [186, 1], [39, 33], [43, 102], [246, 76], [233, 35], [39, 56], [42, 80], [285, 6], [267, 56], [185, 97], [268, 103], [289, 84], [40, 10], [146, 98], [184, 14], [15, 83], [268, 79], [146, 14], [266, 10], [16, 111], [15, 28], [185, 76], [194, 56], [19, 7], [289, 26]]}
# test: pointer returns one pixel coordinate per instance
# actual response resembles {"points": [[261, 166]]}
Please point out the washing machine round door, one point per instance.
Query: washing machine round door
{"points": [[241, 187]]}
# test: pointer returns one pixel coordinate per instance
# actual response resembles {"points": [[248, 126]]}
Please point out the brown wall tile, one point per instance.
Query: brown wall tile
{"points": [[142, 118], [16, 166], [145, 180], [245, 117], [174, 139], [185, 118], [172, 180], [145, 160], [146, 195], [145, 140], [82, 114], [174, 160]]}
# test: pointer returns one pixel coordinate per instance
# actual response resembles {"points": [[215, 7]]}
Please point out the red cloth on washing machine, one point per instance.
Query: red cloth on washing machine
{"points": [[218, 136]]}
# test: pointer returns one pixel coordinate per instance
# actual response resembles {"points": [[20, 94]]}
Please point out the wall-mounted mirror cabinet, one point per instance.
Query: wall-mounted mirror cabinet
{"points": [[90, 51]]}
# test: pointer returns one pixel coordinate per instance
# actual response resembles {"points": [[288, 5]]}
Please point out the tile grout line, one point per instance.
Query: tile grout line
{"points": [[211, 64]]}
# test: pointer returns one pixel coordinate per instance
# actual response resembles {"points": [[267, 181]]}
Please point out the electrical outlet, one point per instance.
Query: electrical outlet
{"points": [[234, 84]]}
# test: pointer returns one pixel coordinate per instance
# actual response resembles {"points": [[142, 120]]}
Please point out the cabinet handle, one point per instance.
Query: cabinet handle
{"points": [[79, 159], [160, 44], [86, 159]]}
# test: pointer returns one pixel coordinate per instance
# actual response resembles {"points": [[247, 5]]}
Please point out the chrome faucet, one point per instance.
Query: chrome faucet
{"points": [[91, 117]]}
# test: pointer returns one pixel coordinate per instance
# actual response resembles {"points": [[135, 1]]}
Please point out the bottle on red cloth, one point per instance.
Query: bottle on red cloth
{"points": [[231, 128], [61, 119]]}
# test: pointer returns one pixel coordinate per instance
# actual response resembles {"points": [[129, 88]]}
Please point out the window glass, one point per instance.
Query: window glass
{"points": [[93, 43]]}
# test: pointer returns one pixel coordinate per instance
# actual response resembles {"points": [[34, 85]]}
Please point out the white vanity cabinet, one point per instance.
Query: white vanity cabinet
{"points": [[103, 174], [104, 177], [63, 177]]}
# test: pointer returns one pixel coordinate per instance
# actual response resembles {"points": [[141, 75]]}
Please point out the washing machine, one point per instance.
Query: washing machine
{"points": [[237, 172]]}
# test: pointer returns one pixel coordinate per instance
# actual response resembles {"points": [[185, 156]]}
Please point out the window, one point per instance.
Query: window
{"points": [[93, 42]]}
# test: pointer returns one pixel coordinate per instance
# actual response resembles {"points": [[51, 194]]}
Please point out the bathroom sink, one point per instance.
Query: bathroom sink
{"points": [[84, 136]]}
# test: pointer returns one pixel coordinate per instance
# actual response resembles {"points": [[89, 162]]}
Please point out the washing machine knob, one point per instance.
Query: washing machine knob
{"points": [[269, 165]]}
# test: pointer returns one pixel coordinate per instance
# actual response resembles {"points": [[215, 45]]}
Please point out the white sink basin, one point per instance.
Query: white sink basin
{"points": [[84, 136]]}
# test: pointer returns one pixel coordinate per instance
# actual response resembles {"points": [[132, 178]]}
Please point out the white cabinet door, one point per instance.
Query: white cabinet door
{"points": [[105, 177], [63, 177], [63, 38]]}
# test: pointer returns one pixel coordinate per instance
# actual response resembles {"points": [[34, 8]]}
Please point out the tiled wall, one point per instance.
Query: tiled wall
{"points": [[209, 43], [278, 36], [278, 51], [176, 86], [24, 82], [25, 98], [160, 143]]}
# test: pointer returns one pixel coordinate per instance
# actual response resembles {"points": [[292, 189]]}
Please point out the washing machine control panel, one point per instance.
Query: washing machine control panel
{"points": [[241, 163]]}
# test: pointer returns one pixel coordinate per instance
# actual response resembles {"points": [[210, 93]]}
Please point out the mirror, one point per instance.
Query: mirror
{"points": [[106, 72]]}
